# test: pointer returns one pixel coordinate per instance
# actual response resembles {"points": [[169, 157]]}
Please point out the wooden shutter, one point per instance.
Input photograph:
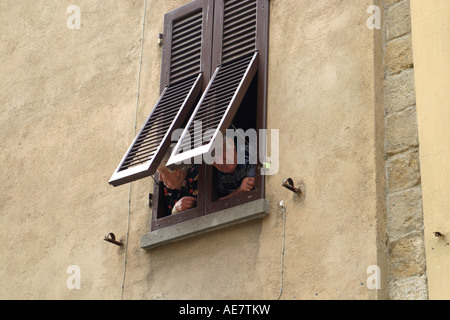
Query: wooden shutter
{"points": [[239, 29], [185, 58], [235, 52]]}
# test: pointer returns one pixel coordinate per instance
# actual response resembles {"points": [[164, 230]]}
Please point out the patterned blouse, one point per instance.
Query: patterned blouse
{"points": [[188, 189]]}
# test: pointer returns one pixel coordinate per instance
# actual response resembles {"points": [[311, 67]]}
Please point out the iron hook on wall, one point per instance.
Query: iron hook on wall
{"points": [[110, 237], [438, 234], [289, 184]]}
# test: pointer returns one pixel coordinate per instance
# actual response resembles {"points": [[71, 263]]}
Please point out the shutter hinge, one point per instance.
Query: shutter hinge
{"points": [[150, 200]]}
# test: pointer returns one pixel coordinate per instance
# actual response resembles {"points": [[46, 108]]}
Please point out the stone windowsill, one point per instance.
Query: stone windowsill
{"points": [[218, 220]]}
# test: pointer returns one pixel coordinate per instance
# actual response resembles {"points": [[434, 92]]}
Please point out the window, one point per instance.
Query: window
{"points": [[214, 72]]}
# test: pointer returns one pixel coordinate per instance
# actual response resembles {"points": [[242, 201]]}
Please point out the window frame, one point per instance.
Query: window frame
{"points": [[158, 202], [206, 203], [159, 221]]}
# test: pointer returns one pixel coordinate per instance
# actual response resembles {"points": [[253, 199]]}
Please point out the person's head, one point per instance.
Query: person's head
{"points": [[172, 178], [225, 158]]}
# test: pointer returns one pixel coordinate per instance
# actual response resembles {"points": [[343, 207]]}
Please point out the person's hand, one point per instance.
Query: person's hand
{"points": [[184, 203], [248, 184]]}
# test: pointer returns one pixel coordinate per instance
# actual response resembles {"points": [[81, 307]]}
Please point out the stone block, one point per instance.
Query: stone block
{"points": [[399, 91], [407, 256], [388, 3], [403, 171], [398, 20], [398, 55], [404, 213], [401, 131], [411, 288]]}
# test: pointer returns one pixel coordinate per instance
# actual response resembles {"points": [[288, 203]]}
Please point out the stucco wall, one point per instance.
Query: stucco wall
{"points": [[322, 86], [68, 103]]}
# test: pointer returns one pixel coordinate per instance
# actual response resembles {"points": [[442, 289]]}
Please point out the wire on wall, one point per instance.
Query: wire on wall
{"points": [[134, 134], [283, 209]]}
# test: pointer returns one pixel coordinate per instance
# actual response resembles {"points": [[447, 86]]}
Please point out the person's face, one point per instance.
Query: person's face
{"points": [[226, 162], [170, 178]]}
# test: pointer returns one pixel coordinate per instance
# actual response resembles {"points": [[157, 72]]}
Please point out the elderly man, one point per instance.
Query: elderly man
{"points": [[235, 177]]}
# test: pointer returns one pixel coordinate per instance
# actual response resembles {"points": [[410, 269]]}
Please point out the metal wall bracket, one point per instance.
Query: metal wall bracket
{"points": [[438, 234], [289, 184], [110, 237]]}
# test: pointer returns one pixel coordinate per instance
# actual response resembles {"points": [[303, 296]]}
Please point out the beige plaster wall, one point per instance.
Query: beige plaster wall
{"points": [[67, 112], [431, 43], [59, 142], [323, 81]]}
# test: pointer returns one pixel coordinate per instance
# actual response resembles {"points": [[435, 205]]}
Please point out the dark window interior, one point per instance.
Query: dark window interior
{"points": [[245, 117]]}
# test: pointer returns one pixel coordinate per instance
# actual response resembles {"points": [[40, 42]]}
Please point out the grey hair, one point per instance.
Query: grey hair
{"points": [[165, 159]]}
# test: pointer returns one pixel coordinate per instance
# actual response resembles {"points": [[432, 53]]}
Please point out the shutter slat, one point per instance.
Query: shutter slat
{"points": [[184, 34], [242, 34], [187, 42], [242, 11], [186, 55], [247, 25], [231, 55], [189, 20], [192, 64], [182, 75], [233, 4]]}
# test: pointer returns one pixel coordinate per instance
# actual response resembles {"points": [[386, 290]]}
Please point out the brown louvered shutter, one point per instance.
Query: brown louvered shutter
{"points": [[185, 58], [235, 53], [239, 29]]}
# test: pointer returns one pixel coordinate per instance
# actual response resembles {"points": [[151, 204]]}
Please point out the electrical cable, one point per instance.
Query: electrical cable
{"points": [[135, 124], [283, 209]]}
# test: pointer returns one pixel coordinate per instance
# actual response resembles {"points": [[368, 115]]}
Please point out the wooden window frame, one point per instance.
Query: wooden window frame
{"points": [[207, 203]]}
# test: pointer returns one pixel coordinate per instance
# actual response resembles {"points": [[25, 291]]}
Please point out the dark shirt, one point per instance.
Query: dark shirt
{"points": [[228, 182]]}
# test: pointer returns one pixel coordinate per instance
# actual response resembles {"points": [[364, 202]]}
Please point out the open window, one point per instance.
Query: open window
{"points": [[214, 73], [235, 97]]}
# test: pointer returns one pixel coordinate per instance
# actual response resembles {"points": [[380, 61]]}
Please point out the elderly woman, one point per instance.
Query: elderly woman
{"points": [[180, 188]]}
